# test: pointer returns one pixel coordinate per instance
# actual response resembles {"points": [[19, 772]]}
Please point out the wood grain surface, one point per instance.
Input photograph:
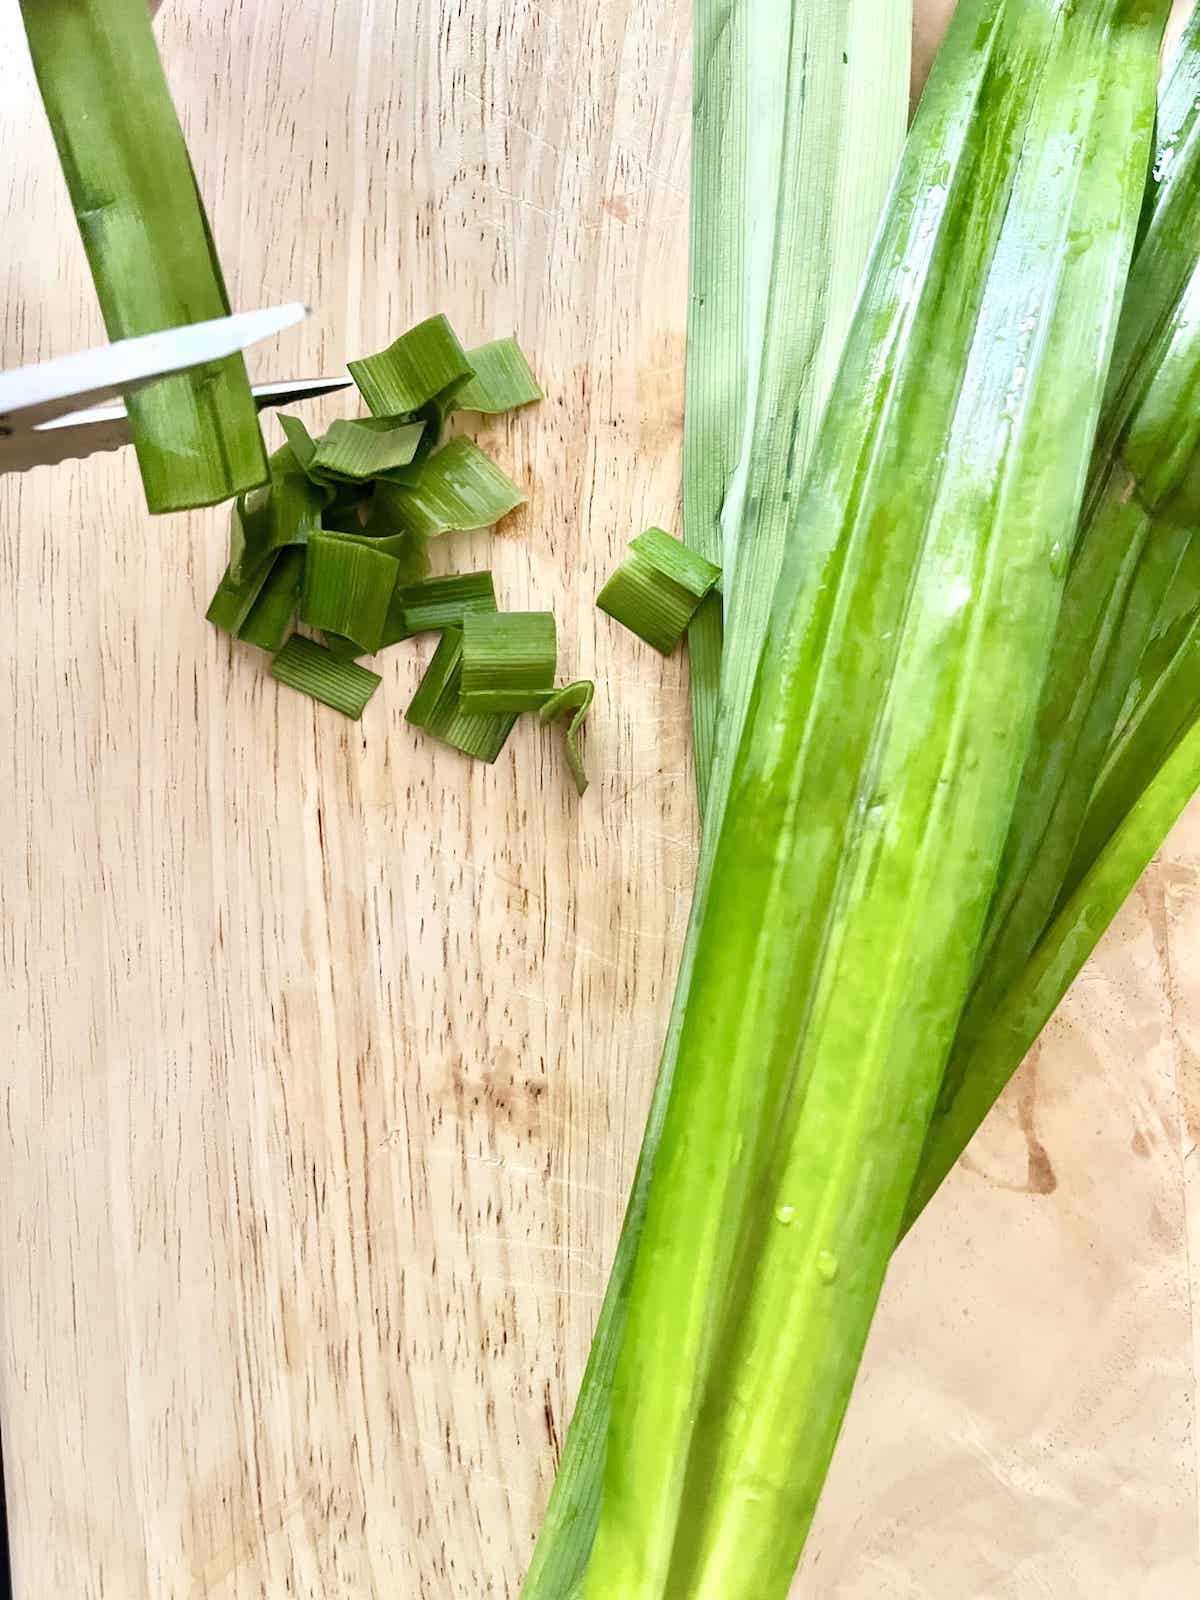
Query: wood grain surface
{"points": [[329, 1051]]}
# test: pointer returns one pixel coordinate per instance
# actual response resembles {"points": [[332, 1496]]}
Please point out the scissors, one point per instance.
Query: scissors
{"points": [[55, 410]]}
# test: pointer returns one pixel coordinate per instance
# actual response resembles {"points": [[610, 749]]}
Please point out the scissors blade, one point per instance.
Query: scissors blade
{"points": [[37, 394], [270, 395], [105, 428]]}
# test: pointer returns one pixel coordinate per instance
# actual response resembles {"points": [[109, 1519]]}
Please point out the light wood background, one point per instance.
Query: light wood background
{"points": [[328, 1052]]}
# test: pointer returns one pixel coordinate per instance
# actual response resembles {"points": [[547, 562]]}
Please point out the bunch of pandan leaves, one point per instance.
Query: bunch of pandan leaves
{"points": [[942, 444], [946, 705]]}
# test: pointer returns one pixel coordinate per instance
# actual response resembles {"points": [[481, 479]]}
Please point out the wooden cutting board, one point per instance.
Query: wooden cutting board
{"points": [[329, 1052]]}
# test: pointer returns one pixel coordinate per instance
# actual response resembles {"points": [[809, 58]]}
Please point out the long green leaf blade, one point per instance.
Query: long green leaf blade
{"points": [[833, 126], [147, 240], [873, 789], [1179, 611], [1074, 933], [799, 110], [1163, 719], [1141, 508]]}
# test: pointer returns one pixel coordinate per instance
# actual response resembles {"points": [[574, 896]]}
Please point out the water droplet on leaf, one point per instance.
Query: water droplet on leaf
{"points": [[827, 1266]]}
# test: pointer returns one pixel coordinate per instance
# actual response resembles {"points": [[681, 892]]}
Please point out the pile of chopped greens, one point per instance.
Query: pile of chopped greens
{"points": [[338, 539]]}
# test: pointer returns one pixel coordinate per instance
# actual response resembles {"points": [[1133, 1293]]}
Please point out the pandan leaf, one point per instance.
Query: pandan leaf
{"points": [[834, 939], [147, 240]]}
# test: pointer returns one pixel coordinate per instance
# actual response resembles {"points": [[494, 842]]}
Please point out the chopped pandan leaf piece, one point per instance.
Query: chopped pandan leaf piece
{"points": [[355, 452], [436, 706], [286, 510], [428, 421], [420, 366], [433, 414], [676, 561], [456, 490], [573, 700], [441, 675], [381, 521], [349, 504], [658, 588], [344, 519], [347, 587], [345, 649], [508, 660], [305, 665], [431, 417], [383, 518], [437, 603], [351, 452], [250, 561], [384, 424], [406, 477], [295, 502], [301, 443], [503, 379], [395, 627], [270, 616], [408, 549], [235, 595]]}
